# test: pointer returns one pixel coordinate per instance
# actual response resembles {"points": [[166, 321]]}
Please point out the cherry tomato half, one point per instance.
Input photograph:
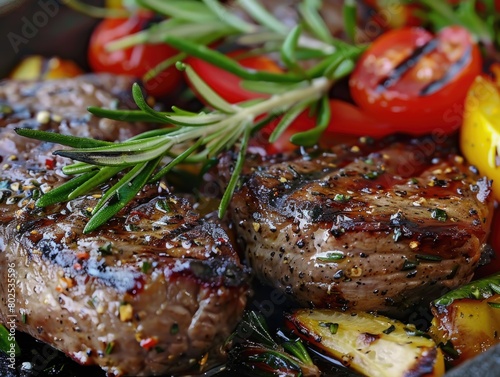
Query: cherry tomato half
{"points": [[347, 123], [227, 85], [347, 120], [136, 60], [415, 80]]}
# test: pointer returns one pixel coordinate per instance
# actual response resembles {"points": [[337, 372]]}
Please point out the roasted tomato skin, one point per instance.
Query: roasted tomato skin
{"points": [[228, 85], [347, 121], [410, 77], [136, 60]]}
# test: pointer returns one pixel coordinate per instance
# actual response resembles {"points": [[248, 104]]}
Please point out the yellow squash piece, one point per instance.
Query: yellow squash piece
{"points": [[373, 345], [480, 132], [39, 68]]}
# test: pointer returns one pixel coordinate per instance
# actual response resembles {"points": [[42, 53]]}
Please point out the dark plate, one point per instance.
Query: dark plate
{"points": [[48, 28]]}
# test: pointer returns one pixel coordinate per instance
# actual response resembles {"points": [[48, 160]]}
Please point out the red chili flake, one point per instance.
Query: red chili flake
{"points": [[83, 255], [77, 266], [50, 163], [149, 343], [221, 240]]}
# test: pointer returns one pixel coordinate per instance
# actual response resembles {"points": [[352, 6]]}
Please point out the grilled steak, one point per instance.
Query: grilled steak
{"points": [[150, 293], [368, 226]]}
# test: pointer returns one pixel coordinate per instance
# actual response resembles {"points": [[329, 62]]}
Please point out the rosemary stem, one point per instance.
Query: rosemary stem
{"points": [[247, 115], [243, 116], [308, 42], [316, 89]]}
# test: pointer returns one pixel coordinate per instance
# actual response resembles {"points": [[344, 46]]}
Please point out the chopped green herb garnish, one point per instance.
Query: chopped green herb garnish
{"points": [[35, 194], [439, 214], [430, 258], [146, 266], [331, 257], [333, 327], [106, 249], [174, 329], [453, 272], [413, 331], [341, 198], [131, 228], [390, 329], [409, 265], [372, 175], [109, 348], [495, 305], [162, 205], [449, 349]]}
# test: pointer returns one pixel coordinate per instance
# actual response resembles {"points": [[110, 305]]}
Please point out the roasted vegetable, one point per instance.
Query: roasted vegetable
{"points": [[39, 68], [480, 131], [371, 344], [467, 320]]}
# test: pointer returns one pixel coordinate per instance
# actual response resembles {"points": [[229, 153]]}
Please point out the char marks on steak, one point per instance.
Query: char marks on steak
{"points": [[369, 226], [150, 293]]}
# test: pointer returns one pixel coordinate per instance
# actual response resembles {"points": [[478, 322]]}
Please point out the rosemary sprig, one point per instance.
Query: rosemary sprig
{"points": [[203, 135], [206, 21], [254, 352], [214, 131]]}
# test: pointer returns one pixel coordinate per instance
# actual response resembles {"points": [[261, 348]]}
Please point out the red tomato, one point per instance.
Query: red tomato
{"points": [[347, 123], [416, 81], [494, 265], [136, 60], [227, 85], [347, 120]]}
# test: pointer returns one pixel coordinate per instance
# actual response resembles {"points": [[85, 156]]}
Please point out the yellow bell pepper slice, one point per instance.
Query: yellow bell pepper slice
{"points": [[480, 132]]}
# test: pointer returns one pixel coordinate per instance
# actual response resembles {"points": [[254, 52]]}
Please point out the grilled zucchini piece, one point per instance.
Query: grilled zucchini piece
{"points": [[370, 344]]}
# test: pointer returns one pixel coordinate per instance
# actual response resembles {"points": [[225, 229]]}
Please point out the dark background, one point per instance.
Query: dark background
{"points": [[24, 30]]}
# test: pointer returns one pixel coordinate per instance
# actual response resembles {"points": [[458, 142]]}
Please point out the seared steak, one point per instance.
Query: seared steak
{"points": [[152, 292], [368, 226]]}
